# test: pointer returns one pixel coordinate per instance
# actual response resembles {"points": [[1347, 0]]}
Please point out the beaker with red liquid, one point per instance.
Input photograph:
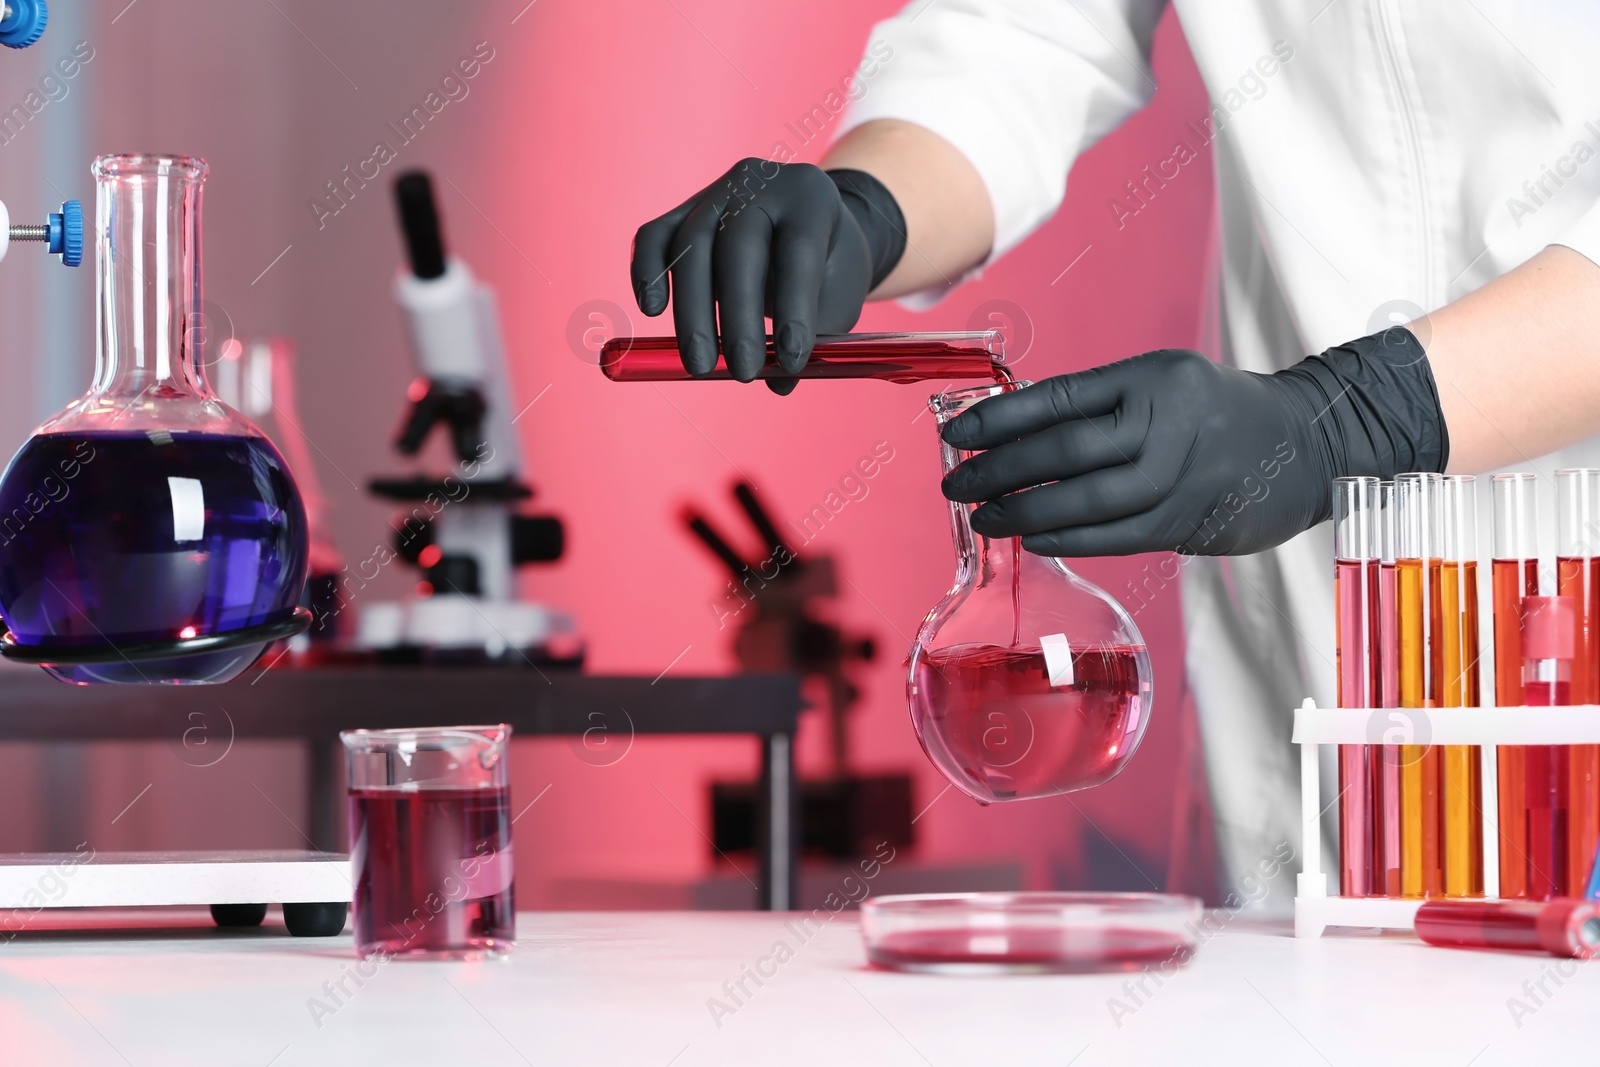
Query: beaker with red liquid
{"points": [[889, 357], [1025, 680], [430, 842]]}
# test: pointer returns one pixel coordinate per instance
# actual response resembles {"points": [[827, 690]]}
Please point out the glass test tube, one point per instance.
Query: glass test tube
{"points": [[1514, 577], [1355, 583], [1417, 606], [890, 357], [1578, 579], [1386, 758], [1561, 927], [1461, 784]]}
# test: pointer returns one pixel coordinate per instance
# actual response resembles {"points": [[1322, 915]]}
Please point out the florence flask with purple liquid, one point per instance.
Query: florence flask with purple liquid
{"points": [[149, 534]]}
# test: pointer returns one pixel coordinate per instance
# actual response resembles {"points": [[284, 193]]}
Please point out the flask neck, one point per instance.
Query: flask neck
{"points": [[980, 560], [147, 237]]}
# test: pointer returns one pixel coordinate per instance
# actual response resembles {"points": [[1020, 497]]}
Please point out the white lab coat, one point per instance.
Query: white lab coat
{"points": [[1375, 160]]}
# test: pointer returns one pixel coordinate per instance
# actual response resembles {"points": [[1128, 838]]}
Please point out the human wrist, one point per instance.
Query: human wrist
{"points": [[1366, 407]]}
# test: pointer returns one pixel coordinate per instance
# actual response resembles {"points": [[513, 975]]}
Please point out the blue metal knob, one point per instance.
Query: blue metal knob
{"points": [[66, 230], [23, 23]]}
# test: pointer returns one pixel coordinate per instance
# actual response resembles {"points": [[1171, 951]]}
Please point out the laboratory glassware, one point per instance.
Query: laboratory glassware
{"points": [[1578, 579], [1356, 633], [150, 533], [1514, 577], [430, 842], [890, 357], [1025, 680], [1386, 758], [260, 380], [1561, 927], [1461, 781], [1022, 933], [1418, 608]]}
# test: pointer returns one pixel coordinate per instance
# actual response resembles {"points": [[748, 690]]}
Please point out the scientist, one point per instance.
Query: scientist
{"points": [[1375, 160]]}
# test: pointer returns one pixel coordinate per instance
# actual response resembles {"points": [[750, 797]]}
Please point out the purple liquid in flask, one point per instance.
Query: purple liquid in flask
{"points": [[148, 532]]}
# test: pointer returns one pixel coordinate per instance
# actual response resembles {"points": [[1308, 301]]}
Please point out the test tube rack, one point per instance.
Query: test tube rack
{"points": [[1315, 909]]}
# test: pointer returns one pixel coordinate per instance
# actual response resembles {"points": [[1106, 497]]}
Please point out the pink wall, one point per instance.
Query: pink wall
{"points": [[618, 111], [591, 118]]}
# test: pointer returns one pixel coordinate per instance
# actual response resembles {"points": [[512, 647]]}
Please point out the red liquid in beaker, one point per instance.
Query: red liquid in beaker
{"points": [[433, 871], [888, 358], [1028, 949], [1007, 732]]}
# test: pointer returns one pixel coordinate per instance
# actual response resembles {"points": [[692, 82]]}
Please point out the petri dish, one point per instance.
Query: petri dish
{"points": [[1028, 933]]}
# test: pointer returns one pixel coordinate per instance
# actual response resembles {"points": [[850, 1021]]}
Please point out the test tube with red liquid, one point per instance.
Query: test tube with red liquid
{"points": [[1461, 773], [1419, 612], [889, 357], [1386, 758], [1578, 580], [1355, 582], [1514, 578], [1564, 927]]}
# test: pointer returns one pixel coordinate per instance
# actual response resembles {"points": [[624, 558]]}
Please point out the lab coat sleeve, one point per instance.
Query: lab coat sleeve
{"points": [[1583, 236], [1019, 86]]}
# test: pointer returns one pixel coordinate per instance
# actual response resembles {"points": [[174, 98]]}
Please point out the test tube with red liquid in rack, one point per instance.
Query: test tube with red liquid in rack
{"points": [[1355, 581], [1385, 759], [889, 357], [1460, 766], [1578, 581], [1514, 578]]}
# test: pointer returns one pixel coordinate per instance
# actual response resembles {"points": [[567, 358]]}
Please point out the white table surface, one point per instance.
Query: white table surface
{"points": [[628, 988]]}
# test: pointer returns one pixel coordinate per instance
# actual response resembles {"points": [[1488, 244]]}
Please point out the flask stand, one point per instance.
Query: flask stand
{"points": [[1315, 909]]}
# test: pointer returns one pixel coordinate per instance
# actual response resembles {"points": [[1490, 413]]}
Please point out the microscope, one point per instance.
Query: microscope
{"points": [[463, 530], [778, 628]]}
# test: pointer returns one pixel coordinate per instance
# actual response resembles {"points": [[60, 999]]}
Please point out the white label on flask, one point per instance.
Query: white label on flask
{"points": [[188, 509], [1057, 658]]}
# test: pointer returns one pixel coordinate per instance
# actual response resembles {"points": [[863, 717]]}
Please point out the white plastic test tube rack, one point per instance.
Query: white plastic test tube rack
{"points": [[1314, 909]]}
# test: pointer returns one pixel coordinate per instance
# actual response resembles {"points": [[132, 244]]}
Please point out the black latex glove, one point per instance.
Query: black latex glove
{"points": [[1170, 451], [785, 240]]}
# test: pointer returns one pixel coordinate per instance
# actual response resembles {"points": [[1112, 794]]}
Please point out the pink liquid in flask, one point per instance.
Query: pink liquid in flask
{"points": [[990, 718], [433, 871]]}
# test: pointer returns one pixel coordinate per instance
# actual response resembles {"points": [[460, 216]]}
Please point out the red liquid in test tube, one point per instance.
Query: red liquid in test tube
{"points": [[1356, 626], [1578, 579], [889, 357], [1385, 759], [1563, 927]]}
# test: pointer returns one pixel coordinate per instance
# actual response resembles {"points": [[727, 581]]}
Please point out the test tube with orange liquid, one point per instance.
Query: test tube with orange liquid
{"points": [[1461, 780], [1418, 609]]}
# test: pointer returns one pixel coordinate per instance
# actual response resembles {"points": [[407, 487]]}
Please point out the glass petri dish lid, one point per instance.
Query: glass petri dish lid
{"points": [[1028, 933]]}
